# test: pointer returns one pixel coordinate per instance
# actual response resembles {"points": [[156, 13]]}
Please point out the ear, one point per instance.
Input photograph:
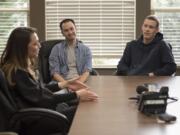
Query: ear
{"points": [[62, 33], [141, 27]]}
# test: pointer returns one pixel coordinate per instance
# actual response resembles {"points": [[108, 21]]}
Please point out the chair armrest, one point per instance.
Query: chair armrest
{"points": [[43, 112], [115, 73], [39, 121], [94, 72], [8, 133]]}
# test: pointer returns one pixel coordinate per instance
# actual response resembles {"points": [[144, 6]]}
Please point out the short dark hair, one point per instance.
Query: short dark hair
{"points": [[65, 21], [154, 18]]}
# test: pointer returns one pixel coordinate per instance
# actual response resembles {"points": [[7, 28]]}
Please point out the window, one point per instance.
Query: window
{"points": [[103, 25], [168, 12], [13, 13]]}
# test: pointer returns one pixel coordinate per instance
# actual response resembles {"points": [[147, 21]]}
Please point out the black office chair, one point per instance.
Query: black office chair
{"points": [[31, 121], [43, 61], [45, 50]]}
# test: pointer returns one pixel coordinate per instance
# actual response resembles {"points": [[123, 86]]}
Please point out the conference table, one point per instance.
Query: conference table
{"points": [[115, 114]]}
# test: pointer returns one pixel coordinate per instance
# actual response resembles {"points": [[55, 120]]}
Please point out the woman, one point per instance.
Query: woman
{"points": [[17, 62]]}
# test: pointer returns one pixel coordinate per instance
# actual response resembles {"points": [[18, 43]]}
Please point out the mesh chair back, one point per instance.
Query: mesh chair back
{"points": [[45, 50]]}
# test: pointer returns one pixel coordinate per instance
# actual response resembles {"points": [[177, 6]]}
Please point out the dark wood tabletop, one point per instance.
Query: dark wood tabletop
{"points": [[115, 114]]}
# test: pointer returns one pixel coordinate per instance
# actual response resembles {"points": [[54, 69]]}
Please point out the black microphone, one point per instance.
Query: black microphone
{"points": [[140, 89], [164, 90]]}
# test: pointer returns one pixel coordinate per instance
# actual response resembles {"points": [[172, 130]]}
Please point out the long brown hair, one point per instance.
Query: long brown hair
{"points": [[15, 54]]}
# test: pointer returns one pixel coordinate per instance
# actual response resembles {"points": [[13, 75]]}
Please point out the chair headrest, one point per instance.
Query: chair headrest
{"points": [[46, 47]]}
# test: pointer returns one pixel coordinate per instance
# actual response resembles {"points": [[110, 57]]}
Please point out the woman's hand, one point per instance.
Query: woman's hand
{"points": [[86, 95]]}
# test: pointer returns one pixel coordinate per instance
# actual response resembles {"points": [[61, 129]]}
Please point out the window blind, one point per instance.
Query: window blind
{"points": [[168, 13], [103, 25], [13, 13]]}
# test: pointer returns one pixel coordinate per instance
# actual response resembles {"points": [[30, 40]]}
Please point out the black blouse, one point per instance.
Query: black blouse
{"points": [[31, 93]]}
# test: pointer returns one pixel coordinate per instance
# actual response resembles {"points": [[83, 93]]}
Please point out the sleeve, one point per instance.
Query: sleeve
{"points": [[88, 61], [32, 92], [167, 60], [124, 63], [54, 63], [53, 86]]}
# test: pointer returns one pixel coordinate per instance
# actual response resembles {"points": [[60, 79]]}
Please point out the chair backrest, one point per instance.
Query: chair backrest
{"points": [[7, 105], [8, 133], [45, 50]]}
